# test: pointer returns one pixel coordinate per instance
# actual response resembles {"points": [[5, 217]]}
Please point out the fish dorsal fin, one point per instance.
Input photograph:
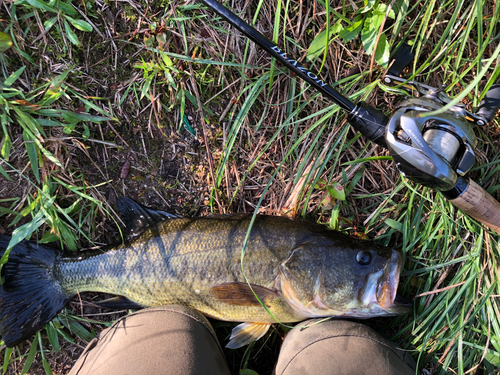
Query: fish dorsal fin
{"points": [[138, 217], [240, 294], [119, 302], [245, 333]]}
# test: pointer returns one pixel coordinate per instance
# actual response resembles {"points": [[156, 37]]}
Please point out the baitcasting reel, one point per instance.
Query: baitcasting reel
{"points": [[434, 150], [431, 150]]}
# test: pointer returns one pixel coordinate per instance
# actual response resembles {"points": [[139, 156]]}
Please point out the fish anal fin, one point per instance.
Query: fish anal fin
{"points": [[240, 294], [119, 302], [244, 333]]}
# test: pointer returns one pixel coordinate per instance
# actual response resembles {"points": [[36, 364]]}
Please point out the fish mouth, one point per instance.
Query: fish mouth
{"points": [[387, 284], [378, 295]]}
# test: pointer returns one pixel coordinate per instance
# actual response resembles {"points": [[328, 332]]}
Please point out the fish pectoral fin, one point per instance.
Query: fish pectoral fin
{"points": [[244, 333], [138, 217], [240, 294], [119, 302]]}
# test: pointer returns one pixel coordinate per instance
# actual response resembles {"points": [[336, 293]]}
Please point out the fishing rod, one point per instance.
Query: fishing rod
{"points": [[435, 151]]}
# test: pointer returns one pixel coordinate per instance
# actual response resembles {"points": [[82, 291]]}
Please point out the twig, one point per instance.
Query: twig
{"points": [[378, 38], [117, 134], [439, 290]]}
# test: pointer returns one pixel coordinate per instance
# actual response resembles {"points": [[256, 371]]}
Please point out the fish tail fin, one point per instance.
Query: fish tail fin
{"points": [[30, 295]]}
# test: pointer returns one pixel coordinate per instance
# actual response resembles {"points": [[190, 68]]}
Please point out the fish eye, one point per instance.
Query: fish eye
{"points": [[364, 258]]}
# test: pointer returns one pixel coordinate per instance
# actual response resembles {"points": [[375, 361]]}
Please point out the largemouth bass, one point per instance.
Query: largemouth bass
{"points": [[298, 270]]}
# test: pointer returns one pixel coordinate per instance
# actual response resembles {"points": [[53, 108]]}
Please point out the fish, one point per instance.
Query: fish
{"points": [[290, 271]]}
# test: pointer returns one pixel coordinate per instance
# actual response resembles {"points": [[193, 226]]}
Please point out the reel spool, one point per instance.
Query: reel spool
{"points": [[443, 143], [432, 150]]}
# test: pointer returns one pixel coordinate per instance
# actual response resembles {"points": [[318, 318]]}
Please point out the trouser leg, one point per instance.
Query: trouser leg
{"points": [[340, 347], [161, 340]]}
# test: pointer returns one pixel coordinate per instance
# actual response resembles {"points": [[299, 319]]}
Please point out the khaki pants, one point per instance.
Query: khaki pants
{"points": [[179, 340]]}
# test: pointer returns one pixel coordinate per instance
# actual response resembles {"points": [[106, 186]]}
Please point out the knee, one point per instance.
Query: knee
{"points": [[315, 347]]}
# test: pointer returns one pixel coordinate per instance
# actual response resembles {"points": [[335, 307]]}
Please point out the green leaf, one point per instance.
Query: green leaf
{"points": [[319, 43], [146, 85], [336, 191], [66, 8], [30, 357], [247, 371], [46, 122], [7, 143], [394, 224], [86, 132], [49, 237], [68, 236], [371, 158], [70, 117], [31, 206], [161, 38], [359, 174], [187, 125], [372, 25], [320, 184], [53, 91], [25, 231], [71, 34], [4, 173], [29, 123], [41, 5], [382, 53], [78, 330], [166, 59], [333, 223], [14, 76], [6, 359], [368, 5], [77, 117], [149, 41], [80, 24], [52, 336], [32, 153], [49, 23], [382, 10], [494, 359], [87, 117], [46, 367], [370, 31], [51, 157], [68, 129], [5, 42], [350, 32]]}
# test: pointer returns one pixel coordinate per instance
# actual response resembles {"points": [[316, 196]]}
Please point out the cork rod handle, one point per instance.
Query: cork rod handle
{"points": [[477, 203]]}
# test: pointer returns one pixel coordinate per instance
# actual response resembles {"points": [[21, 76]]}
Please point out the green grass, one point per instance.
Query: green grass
{"points": [[86, 86]]}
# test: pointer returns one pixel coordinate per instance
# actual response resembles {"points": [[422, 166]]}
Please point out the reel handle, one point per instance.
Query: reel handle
{"points": [[477, 203], [490, 103]]}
